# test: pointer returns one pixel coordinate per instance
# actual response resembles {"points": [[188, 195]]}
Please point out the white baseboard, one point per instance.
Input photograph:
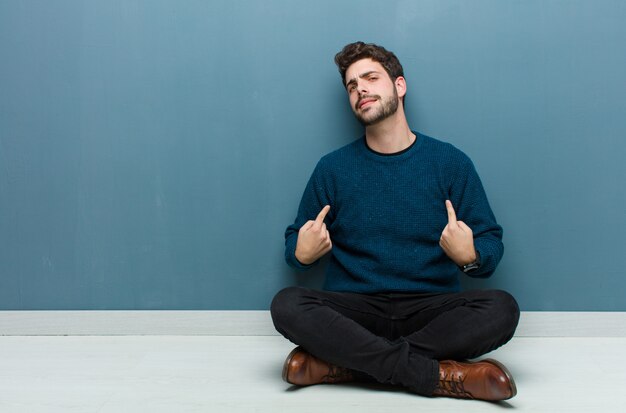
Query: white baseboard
{"points": [[259, 323], [571, 324], [213, 323]]}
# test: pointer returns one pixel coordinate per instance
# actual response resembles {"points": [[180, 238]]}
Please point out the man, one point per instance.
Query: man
{"points": [[401, 215]]}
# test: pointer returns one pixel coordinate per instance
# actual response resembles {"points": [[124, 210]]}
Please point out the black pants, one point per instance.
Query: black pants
{"points": [[396, 338]]}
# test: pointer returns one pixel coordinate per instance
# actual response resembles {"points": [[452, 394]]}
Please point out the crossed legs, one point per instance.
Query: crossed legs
{"points": [[395, 338]]}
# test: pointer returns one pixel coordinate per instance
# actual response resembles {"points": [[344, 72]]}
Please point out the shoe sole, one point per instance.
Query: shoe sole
{"points": [[288, 362], [507, 373]]}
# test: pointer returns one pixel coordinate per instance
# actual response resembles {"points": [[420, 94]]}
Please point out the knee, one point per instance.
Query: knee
{"points": [[284, 306], [507, 309]]}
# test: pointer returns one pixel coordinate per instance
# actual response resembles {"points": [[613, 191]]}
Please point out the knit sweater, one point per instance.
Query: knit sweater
{"points": [[387, 214]]}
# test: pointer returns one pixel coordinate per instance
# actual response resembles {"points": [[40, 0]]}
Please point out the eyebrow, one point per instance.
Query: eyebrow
{"points": [[362, 75]]}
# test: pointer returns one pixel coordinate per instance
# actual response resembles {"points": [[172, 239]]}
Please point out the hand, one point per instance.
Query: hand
{"points": [[313, 239], [457, 240]]}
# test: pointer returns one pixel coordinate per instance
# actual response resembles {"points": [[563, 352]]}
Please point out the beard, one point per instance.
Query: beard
{"points": [[387, 107]]}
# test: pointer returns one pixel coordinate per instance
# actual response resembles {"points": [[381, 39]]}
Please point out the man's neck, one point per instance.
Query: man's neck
{"points": [[390, 135]]}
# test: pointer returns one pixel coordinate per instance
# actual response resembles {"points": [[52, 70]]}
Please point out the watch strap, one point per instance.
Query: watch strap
{"points": [[472, 265]]}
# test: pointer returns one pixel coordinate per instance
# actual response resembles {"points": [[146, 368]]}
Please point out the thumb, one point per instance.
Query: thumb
{"points": [[464, 226], [307, 225]]}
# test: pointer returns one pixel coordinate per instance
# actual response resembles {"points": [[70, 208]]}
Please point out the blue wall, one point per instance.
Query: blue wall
{"points": [[152, 152]]}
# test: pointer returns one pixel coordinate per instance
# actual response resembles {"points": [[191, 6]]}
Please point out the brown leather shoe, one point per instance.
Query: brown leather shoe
{"points": [[304, 369], [483, 380]]}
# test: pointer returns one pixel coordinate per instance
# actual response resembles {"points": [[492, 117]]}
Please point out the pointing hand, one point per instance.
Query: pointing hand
{"points": [[313, 239], [457, 239]]}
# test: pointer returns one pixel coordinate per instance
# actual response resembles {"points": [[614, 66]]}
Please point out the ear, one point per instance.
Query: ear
{"points": [[400, 83]]}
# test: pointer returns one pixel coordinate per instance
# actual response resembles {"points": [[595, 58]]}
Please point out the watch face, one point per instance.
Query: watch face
{"points": [[470, 267]]}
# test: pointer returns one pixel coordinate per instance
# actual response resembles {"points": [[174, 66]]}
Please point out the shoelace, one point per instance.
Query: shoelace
{"points": [[336, 373], [453, 386]]}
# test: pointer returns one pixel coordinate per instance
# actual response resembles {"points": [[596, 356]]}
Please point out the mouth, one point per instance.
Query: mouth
{"points": [[365, 102]]}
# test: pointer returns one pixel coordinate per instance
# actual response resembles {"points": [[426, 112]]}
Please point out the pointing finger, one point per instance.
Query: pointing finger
{"points": [[451, 213], [320, 217]]}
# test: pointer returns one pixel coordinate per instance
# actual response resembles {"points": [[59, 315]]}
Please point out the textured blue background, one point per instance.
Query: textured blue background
{"points": [[153, 152]]}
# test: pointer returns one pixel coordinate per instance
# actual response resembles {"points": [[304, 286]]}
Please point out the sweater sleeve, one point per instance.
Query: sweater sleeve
{"points": [[314, 198], [472, 207]]}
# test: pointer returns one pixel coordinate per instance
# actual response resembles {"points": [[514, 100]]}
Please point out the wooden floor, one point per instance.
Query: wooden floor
{"points": [[243, 374]]}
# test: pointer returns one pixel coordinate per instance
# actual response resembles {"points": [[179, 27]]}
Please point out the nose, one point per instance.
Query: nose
{"points": [[361, 87]]}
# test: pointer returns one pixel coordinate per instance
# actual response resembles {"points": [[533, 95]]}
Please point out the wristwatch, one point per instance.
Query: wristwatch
{"points": [[472, 265]]}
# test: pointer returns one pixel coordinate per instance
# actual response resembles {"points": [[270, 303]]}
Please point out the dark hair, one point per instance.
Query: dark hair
{"points": [[359, 50]]}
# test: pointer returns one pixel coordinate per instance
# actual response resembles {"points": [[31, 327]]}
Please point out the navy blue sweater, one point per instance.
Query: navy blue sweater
{"points": [[387, 214]]}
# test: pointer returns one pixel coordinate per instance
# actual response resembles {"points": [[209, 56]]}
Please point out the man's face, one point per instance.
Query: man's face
{"points": [[373, 95]]}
